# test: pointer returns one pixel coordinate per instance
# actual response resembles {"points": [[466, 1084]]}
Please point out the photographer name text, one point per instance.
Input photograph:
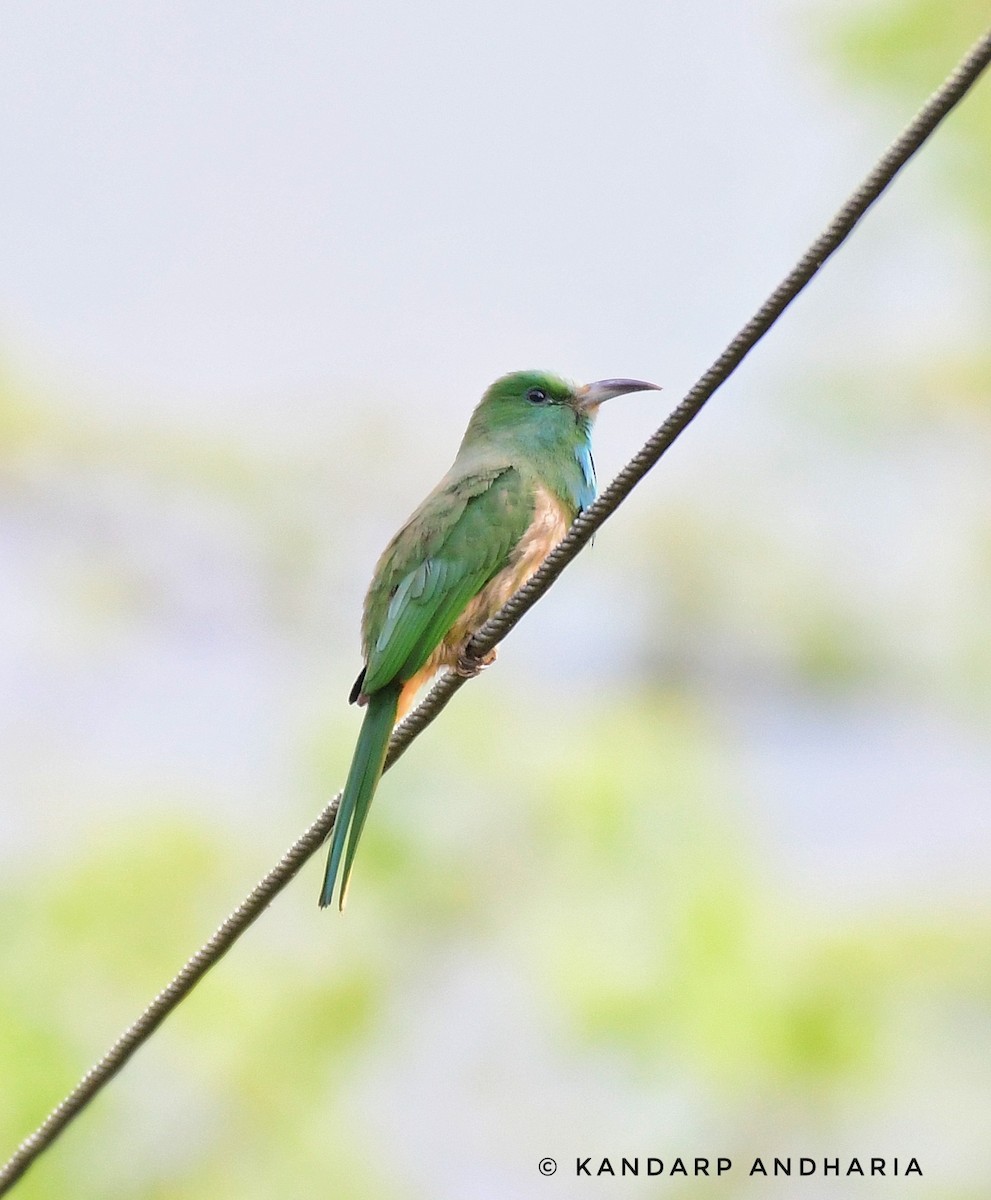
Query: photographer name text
{"points": [[766, 1166]]}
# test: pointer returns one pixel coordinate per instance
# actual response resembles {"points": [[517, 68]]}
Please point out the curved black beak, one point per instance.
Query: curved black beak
{"points": [[591, 395]]}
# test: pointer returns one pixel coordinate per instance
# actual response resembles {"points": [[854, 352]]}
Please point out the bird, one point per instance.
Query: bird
{"points": [[523, 472]]}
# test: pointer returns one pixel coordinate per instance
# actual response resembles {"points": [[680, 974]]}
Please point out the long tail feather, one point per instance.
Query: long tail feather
{"points": [[363, 777]]}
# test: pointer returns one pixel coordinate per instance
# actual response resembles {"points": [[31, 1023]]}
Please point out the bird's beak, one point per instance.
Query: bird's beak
{"points": [[591, 395]]}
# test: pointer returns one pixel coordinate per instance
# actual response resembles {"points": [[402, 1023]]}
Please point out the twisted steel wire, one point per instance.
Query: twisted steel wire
{"points": [[939, 104]]}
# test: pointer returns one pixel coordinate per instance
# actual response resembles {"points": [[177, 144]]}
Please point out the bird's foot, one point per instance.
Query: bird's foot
{"points": [[469, 665]]}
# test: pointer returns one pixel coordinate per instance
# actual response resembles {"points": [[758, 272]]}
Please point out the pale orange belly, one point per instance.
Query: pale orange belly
{"points": [[549, 525]]}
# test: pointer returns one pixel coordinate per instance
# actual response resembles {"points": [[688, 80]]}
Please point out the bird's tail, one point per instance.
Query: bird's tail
{"points": [[363, 777]]}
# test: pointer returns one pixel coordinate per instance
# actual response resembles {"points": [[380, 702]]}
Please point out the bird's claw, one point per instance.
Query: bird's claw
{"points": [[469, 665]]}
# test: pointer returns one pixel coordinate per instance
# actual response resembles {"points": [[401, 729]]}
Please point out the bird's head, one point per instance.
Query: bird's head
{"points": [[545, 407]]}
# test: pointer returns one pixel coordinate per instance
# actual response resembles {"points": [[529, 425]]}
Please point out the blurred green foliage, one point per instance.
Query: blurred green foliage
{"points": [[902, 48]]}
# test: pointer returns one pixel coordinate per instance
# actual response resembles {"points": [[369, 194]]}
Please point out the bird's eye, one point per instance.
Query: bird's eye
{"points": [[537, 396]]}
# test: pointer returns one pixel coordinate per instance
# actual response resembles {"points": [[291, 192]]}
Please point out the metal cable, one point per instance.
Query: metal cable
{"points": [[945, 98]]}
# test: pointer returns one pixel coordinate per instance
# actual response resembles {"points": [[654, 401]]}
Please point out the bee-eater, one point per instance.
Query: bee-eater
{"points": [[523, 473]]}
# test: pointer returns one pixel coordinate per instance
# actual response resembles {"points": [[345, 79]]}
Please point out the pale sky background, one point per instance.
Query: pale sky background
{"points": [[232, 204]]}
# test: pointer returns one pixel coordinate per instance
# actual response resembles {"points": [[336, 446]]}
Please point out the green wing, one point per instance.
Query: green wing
{"points": [[458, 539]]}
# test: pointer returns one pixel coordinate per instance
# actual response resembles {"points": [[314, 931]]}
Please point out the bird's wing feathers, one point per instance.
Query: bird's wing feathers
{"points": [[458, 539]]}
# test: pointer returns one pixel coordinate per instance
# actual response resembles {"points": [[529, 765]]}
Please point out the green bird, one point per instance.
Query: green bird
{"points": [[524, 471]]}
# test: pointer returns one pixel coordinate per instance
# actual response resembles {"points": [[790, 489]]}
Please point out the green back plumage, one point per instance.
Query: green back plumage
{"points": [[458, 539]]}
